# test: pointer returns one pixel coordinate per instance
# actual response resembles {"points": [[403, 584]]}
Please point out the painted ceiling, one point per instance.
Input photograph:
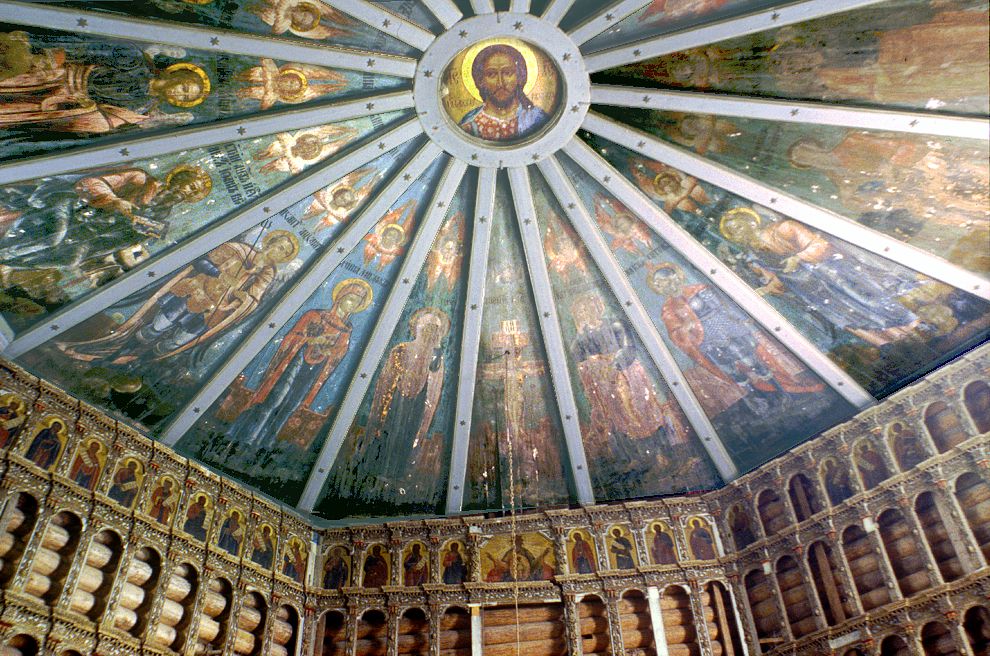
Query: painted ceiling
{"points": [[233, 226]]}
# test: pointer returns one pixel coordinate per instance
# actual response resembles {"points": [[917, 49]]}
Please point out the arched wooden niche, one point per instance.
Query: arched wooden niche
{"points": [[214, 616], [763, 607], [866, 568], [720, 617], [285, 631], [334, 641], [21, 644], [137, 592], [249, 636], [804, 497], [937, 640], [903, 552], [976, 622], [976, 397], [455, 632], [414, 633], [97, 574], [636, 623], [894, 646], [797, 603], [679, 626], [974, 498], [944, 426], [930, 517], [53, 559], [773, 513], [832, 593], [593, 618], [15, 535], [371, 634]]}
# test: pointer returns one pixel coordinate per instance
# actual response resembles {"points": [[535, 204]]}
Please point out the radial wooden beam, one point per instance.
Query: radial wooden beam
{"points": [[293, 298], [138, 146], [556, 10], [207, 39], [386, 21], [794, 112], [483, 6], [305, 184], [719, 31], [641, 322], [720, 275], [481, 232], [519, 6], [382, 333], [821, 219], [604, 19], [445, 11], [553, 341]]}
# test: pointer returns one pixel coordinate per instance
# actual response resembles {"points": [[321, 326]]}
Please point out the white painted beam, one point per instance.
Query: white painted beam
{"points": [[207, 39], [720, 275], [382, 333], [519, 6], [386, 21], [483, 7], [719, 31], [553, 341], [142, 146], [556, 10], [819, 218], [290, 300], [604, 19], [474, 306], [306, 184], [793, 112], [445, 11], [637, 315]]}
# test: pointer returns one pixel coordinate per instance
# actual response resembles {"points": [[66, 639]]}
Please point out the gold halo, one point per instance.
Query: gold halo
{"points": [[298, 74], [368, 297], [393, 226], [532, 66], [200, 73], [200, 173], [436, 312], [275, 234], [734, 213]]}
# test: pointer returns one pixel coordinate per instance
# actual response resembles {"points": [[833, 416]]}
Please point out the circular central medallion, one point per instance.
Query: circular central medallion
{"points": [[487, 94], [503, 91]]}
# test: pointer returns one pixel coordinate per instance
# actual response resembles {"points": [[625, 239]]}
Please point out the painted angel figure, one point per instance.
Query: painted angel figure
{"points": [[269, 83], [673, 189], [334, 204], [626, 232], [303, 18], [389, 238], [563, 250], [444, 260], [293, 152], [669, 9]]}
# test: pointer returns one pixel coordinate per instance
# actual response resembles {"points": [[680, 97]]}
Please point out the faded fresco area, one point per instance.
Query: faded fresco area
{"points": [[881, 322], [760, 397], [636, 438], [910, 54], [396, 455], [270, 423], [931, 192], [64, 236], [305, 20], [516, 457], [59, 90]]}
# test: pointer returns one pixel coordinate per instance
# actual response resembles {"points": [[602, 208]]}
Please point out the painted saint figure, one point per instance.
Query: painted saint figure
{"points": [[269, 83], [375, 568], [263, 547], [907, 446], [662, 550], [13, 414], [454, 568], [196, 517], [199, 303], [87, 465], [389, 238], [337, 571], [75, 221], [294, 560], [126, 483], [405, 398], [847, 290], [622, 550], [304, 361], [723, 341], [160, 507], [701, 542], [415, 568], [837, 483], [518, 563], [582, 556], [500, 73], [231, 534], [47, 444], [304, 18]]}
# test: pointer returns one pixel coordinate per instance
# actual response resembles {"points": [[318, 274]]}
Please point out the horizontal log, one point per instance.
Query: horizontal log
{"points": [[282, 613], [556, 647], [454, 639], [370, 647], [595, 644], [281, 631], [81, 601], [214, 603], [7, 542], [590, 625], [412, 644], [456, 652], [163, 635], [505, 616], [208, 630], [131, 596], [914, 583], [98, 555], [804, 627], [124, 618], [494, 635], [55, 538], [15, 520], [37, 584], [171, 613], [684, 616], [451, 620], [249, 618], [90, 579], [178, 587], [244, 642], [637, 638], [858, 549], [45, 561], [875, 598], [277, 650], [368, 630]]}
